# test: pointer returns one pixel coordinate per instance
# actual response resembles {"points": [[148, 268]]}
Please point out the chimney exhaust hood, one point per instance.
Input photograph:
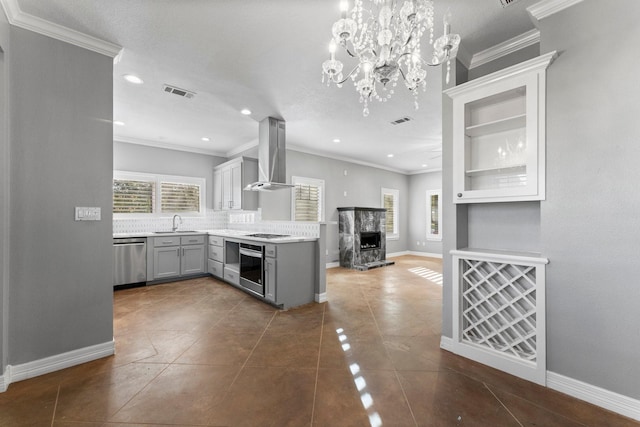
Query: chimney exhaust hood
{"points": [[271, 157]]}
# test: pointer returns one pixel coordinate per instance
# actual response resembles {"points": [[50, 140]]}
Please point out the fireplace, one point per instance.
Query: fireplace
{"points": [[369, 240], [362, 237]]}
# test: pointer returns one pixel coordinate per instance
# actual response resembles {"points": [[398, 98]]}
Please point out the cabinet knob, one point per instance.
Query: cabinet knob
{"points": [[459, 194]]}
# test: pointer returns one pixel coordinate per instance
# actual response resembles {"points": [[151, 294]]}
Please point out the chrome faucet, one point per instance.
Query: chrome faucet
{"points": [[175, 227]]}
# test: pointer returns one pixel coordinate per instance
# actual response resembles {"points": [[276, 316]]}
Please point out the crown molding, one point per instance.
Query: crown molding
{"points": [[166, 145], [18, 18], [343, 158], [505, 48], [242, 148], [463, 56], [539, 63], [546, 8]]}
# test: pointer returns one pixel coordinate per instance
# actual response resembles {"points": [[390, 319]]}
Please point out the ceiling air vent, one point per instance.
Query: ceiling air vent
{"points": [[506, 3], [177, 91], [401, 120]]}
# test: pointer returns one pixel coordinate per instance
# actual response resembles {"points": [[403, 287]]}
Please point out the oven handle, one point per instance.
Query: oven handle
{"points": [[250, 253]]}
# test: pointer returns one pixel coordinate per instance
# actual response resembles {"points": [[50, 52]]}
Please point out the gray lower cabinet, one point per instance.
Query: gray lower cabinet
{"points": [[177, 256], [215, 265], [270, 279], [166, 262], [290, 273]]}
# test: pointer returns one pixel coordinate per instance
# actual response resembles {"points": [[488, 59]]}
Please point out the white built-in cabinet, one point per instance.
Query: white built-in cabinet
{"points": [[499, 315], [229, 180], [499, 135]]}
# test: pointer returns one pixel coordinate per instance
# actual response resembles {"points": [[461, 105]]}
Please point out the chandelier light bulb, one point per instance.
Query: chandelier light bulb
{"points": [[344, 8]]}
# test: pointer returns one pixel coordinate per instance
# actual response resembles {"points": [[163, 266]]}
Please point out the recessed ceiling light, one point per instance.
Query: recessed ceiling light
{"points": [[424, 166], [131, 78], [389, 155], [245, 111], [118, 123], [336, 141], [205, 139]]}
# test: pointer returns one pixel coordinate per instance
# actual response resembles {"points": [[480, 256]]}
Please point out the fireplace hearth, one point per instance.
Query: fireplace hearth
{"points": [[362, 238]]}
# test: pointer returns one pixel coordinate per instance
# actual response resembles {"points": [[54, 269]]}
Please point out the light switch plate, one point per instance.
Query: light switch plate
{"points": [[88, 214]]}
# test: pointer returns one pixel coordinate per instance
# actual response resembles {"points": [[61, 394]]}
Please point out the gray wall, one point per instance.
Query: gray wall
{"points": [[587, 226], [142, 158], [5, 226], [61, 156], [418, 215], [362, 185], [590, 223]]}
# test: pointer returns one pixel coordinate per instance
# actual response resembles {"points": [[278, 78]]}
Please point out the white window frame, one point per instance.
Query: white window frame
{"points": [[396, 211], [307, 181], [430, 235], [158, 179]]}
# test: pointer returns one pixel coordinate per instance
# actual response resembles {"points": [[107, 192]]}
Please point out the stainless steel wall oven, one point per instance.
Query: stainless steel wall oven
{"points": [[251, 267]]}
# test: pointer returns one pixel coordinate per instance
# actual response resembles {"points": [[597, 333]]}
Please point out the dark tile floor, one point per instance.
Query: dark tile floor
{"points": [[201, 353]]}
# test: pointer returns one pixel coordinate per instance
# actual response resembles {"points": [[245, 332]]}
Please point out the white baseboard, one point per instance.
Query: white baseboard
{"points": [[606, 399], [332, 264], [395, 254], [610, 400], [55, 363], [446, 343], [425, 254], [321, 297]]}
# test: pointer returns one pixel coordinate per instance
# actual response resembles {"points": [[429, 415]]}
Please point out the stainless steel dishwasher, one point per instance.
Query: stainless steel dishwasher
{"points": [[129, 260]]}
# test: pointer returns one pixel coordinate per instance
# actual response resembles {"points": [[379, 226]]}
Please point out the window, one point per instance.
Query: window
{"points": [[390, 202], [155, 195], [308, 199], [434, 214]]}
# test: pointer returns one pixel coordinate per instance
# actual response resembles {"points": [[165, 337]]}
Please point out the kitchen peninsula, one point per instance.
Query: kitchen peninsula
{"points": [[281, 270]]}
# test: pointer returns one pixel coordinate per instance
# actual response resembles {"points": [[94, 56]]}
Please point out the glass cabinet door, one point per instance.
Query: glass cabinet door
{"points": [[498, 135]]}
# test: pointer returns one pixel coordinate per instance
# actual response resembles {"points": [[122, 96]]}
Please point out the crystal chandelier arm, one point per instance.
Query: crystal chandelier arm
{"points": [[349, 75]]}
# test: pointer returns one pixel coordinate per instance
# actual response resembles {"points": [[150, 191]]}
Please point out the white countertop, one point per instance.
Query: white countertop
{"points": [[240, 234]]}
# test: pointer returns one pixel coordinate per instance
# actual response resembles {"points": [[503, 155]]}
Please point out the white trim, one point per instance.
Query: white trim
{"points": [[601, 397], [505, 48], [446, 343], [244, 147], [546, 8], [526, 258], [305, 150], [55, 363], [536, 64], [29, 22], [321, 297], [463, 56], [424, 254], [165, 145], [396, 254], [332, 265]]}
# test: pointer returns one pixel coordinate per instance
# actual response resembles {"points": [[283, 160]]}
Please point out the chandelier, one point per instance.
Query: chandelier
{"points": [[384, 37]]}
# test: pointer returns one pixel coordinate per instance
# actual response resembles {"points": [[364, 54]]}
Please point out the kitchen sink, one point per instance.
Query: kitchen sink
{"points": [[174, 232]]}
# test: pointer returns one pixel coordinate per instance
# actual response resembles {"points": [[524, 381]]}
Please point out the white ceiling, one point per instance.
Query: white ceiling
{"points": [[265, 56]]}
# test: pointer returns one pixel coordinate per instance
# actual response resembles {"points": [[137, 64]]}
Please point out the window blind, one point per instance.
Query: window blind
{"points": [[389, 206], [130, 196], [178, 197], [307, 202]]}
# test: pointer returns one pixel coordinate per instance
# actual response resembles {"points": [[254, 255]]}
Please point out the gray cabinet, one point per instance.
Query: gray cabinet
{"points": [[270, 279], [229, 180], [177, 256], [166, 262], [290, 273], [216, 256]]}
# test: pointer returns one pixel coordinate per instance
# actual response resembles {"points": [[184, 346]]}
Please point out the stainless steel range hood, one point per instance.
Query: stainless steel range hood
{"points": [[271, 157]]}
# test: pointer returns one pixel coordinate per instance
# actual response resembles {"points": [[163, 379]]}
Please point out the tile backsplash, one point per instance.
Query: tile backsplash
{"points": [[219, 220]]}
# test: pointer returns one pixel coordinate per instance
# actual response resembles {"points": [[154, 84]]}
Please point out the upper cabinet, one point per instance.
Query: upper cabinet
{"points": [[499, 135], [229, 180]]}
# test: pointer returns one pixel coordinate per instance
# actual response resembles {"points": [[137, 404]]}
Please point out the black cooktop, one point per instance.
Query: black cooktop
{"points": [[267, 235]]}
